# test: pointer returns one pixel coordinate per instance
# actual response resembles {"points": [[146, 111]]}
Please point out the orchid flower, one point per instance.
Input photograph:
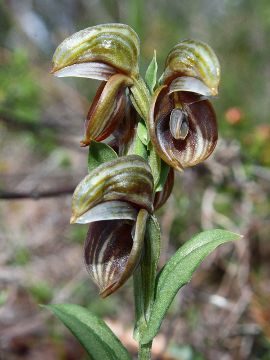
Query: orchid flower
{"points": [[115, 198], [110, 53], [182, 122], [176, 123]]}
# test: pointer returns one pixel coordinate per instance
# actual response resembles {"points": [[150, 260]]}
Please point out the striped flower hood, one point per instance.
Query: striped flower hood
{"points": [[115, 198], [182, 121]]}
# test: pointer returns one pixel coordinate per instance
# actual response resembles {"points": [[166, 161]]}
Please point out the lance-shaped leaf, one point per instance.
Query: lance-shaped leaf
{"points": [[162, 196], [112, 252], [98, 52], [168, 114], [179, 270], [151, 73], [94, 335], [139, 96], [107, 109], [127, 178], [191, 58]]}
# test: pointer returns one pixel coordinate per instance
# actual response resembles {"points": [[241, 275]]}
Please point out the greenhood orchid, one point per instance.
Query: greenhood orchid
{"points": [[182, 121], [138, 132], [109, 53], [116, 199], [176, 124]]}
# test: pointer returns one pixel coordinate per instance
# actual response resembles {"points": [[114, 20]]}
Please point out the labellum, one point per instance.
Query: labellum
{"points": [[115, 198]]}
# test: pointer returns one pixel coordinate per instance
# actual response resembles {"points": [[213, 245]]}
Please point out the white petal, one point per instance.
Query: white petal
{"points": [[108, 210], [92, 70], [191, 84]]}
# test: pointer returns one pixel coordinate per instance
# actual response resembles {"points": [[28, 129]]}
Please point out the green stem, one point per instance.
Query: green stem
{"points": [[145, 351], [144, 284]]}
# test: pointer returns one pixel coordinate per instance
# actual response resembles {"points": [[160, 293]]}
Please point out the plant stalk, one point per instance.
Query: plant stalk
{"points": [[144, 351], [144, 276], [144, 285]]}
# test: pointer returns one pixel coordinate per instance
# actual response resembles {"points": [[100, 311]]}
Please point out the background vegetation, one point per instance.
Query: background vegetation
{"points": [[224, 313]]}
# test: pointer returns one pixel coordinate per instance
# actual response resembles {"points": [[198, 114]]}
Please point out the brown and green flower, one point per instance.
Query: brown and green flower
{"points": [[110, 53], [115, 198], [182, 122]]}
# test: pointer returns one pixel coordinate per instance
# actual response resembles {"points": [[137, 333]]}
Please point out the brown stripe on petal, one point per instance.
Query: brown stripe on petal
{"points": [[125, 131], [159, 114], [107, 247], [107, 109], [111, 254], [201, 139], [202, 133]]}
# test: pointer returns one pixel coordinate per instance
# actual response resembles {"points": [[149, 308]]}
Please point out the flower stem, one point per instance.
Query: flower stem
{"points": [[145, 351], [144, 285]]}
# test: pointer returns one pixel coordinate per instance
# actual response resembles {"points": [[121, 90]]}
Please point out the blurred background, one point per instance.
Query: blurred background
{"points": [[224, 313]]}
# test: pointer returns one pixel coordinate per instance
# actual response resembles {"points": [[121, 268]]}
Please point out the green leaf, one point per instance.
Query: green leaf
{"points": [[95, 336], [144, 277], [137, 147], [143, 133], [140, 97], [155, 164], [179, 270], [164, 171], [151, 73], [98, 154]]}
